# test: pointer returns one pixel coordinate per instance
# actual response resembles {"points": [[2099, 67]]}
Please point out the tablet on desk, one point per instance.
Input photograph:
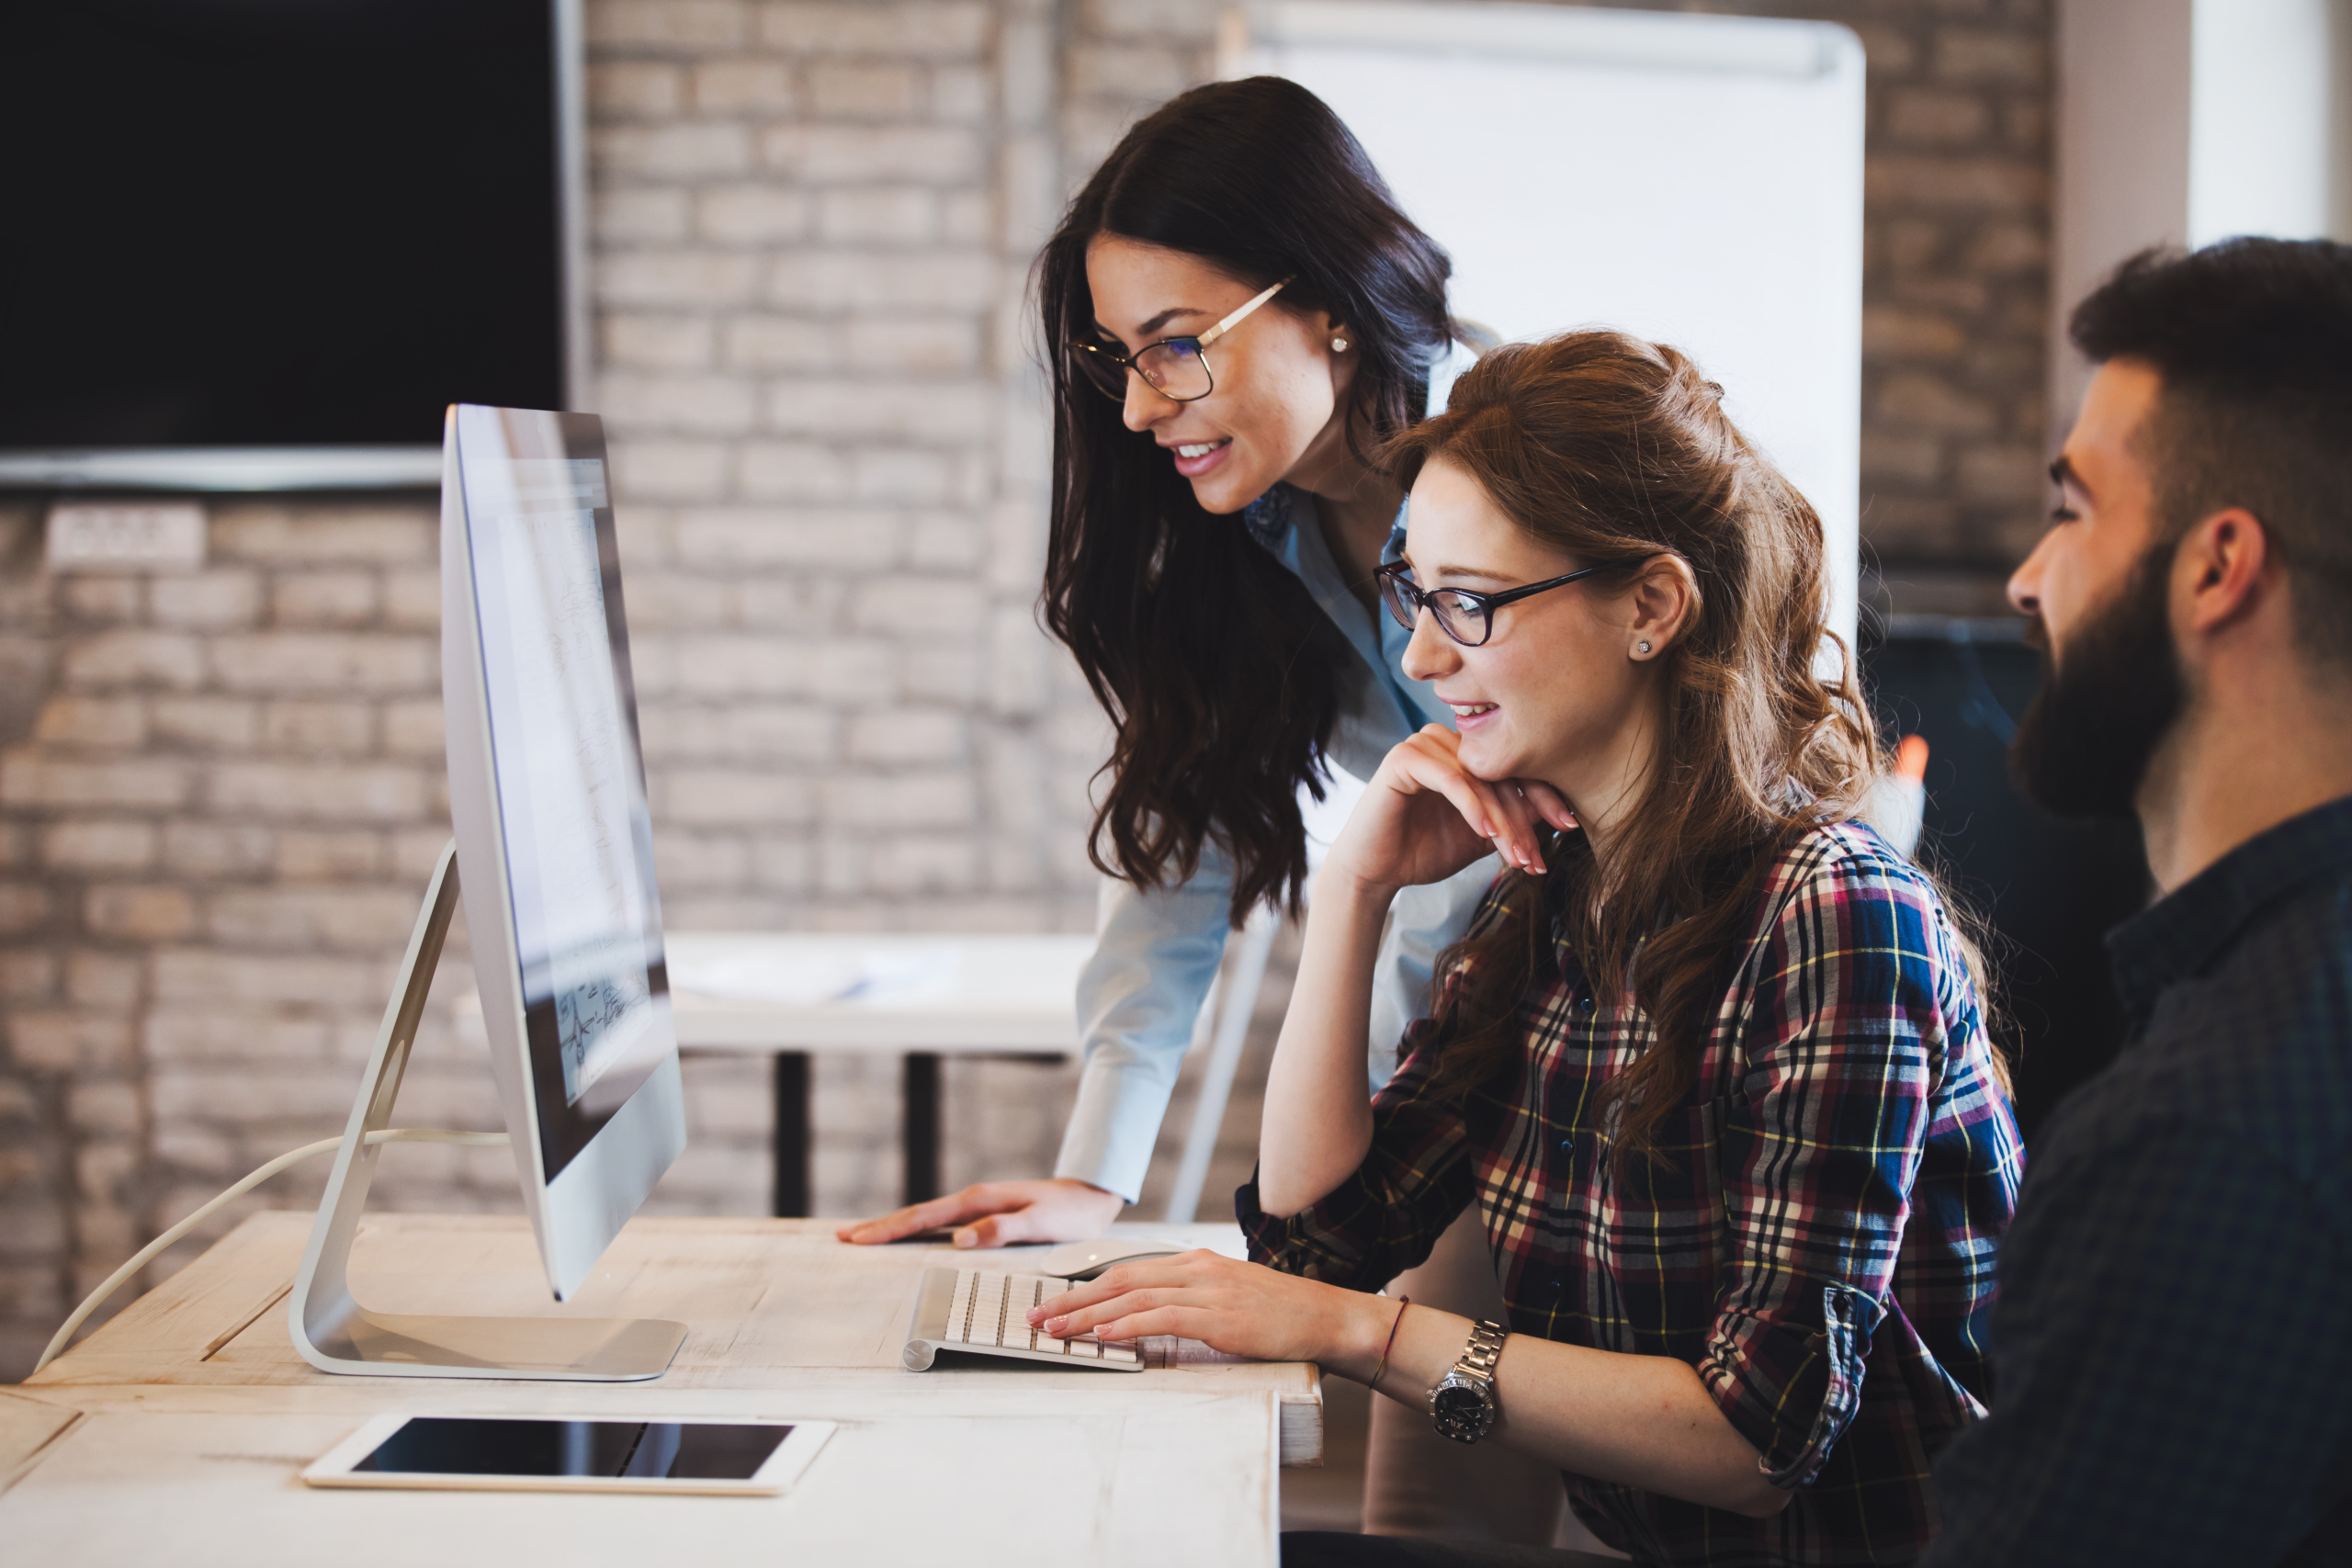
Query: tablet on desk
{"points": [[710, 1456]]}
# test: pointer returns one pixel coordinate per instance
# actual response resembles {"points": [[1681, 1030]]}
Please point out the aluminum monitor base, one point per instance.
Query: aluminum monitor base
{"points": [[335, 1334]]}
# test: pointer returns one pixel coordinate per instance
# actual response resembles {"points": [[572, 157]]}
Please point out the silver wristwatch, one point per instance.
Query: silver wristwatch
{"points": [[1463, 1400]]}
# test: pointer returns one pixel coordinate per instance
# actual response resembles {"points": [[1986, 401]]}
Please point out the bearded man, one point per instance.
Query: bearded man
{"points": [[2177, 1285]]}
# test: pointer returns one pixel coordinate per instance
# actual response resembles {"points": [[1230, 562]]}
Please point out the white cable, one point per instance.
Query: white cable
{"points": [[146, 1254]]}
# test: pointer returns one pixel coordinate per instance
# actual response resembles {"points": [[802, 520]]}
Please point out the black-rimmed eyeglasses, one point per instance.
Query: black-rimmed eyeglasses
{"points": [[1463, 614], [1175, 367]]}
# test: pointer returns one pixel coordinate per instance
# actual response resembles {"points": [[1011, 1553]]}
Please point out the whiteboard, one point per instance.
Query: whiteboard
{"points": [[1696, 180]]}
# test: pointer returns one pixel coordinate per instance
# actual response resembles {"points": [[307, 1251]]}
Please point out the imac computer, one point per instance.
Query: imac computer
{"points": [[553, 854]]}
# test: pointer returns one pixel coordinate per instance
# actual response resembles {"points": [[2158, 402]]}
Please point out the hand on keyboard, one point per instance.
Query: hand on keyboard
{"points": [[1244, 1309], [993, 1310]]}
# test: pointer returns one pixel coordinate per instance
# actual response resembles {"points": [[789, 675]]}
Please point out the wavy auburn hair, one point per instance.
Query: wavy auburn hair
{"points": [[1219, 672], [1616, 452]]}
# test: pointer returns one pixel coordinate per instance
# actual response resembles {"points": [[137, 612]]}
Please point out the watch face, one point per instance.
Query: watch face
{"points": [[1462, 1413], [1459, 1403]]}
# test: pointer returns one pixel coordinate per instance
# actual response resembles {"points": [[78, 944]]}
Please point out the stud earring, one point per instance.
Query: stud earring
{"points": [[1641, 648], [1338, 346]]}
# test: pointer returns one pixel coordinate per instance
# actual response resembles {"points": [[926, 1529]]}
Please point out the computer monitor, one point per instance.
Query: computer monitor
{"points": [[555, 853], [553, 857]]}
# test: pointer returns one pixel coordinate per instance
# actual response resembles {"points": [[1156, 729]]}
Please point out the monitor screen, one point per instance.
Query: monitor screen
{"points": [[275, 222], [570, 777]]}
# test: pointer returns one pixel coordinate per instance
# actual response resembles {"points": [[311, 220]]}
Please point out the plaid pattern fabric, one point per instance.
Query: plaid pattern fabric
{"points": [[2176, 1289], [1817, 1237]]}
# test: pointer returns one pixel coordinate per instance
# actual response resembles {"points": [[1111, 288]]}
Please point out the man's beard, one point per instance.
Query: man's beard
{"points": [[2083, 746]]}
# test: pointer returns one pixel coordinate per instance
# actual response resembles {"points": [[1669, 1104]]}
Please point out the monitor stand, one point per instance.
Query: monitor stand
{"points": [[335, 1334]]}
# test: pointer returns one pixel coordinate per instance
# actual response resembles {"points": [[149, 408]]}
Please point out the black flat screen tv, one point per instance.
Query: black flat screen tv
{"points": [[265, 243]]}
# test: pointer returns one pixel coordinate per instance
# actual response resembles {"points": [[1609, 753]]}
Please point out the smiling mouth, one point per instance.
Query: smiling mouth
{"points": [[1199, 448], [1471, 710]]}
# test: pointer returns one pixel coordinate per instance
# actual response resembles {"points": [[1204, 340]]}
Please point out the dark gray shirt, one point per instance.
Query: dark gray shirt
{"points": [[2178, 1286]]}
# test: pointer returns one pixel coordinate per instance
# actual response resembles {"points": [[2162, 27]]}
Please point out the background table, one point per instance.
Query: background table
{"points": [[930, 996], [173, 1433]]}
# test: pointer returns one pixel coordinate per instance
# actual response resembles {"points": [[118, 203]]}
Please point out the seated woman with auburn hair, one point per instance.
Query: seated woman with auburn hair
{"points": [[1710, 1063]]}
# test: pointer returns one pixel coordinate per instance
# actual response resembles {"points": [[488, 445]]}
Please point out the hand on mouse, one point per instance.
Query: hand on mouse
{"points": [[993, 1213], [1243, 1309]]}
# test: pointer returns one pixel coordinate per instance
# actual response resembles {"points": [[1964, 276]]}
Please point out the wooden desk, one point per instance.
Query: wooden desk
{"points": [[205, 1477], [767, 1305], [930, 996], [173, 1433]]}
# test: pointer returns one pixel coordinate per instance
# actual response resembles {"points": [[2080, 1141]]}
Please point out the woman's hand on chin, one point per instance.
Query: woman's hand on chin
{"points": [[1424, 817], [1242, 1309]]}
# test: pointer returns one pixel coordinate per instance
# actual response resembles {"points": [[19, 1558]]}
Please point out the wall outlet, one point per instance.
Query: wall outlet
{"points": [[126, 537]]}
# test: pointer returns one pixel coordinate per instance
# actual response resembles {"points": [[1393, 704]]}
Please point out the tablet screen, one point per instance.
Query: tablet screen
{"points": [[651, 1450]]}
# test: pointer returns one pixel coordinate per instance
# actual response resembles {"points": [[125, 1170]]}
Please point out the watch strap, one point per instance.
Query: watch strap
{"points": [[1486, 1348]]}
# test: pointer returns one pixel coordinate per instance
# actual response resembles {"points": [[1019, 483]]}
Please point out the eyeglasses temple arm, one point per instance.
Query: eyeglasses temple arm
{"points": [[1234, 319]]}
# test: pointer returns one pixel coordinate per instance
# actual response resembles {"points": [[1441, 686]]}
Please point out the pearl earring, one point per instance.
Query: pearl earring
{"points": [[1338, 346], [1641, 648]]}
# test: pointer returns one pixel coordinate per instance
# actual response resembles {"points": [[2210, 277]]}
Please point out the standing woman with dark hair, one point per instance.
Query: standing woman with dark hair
{"points": [[1236, 316]]}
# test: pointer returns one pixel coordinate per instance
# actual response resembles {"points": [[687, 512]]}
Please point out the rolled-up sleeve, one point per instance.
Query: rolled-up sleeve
{"points": [[1820, 1145], [1139, 996]]}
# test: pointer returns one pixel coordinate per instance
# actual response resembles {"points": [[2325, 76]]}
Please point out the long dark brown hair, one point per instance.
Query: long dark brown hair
{"points": [[1616, 452], [1219, 672]]}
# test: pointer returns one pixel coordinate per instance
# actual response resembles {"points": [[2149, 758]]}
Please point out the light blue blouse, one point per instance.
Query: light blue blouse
{"points": [[1156, 951]]}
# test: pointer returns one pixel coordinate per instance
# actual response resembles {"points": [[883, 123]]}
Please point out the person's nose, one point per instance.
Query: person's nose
{"points": [[1145, 406], [1430, 654], [2025, 583]]}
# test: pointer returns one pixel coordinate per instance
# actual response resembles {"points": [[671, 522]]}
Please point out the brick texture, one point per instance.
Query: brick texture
{"points": [[221, 792]]}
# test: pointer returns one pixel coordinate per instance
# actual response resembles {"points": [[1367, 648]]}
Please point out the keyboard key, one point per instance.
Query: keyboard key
{"points": [[989, 1310]]}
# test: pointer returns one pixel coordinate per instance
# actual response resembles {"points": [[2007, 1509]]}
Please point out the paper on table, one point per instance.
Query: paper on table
{"points": [[806, 979]]}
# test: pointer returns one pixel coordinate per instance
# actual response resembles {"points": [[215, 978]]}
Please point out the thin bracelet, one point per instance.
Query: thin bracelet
{"points": [[1402, 1303]]}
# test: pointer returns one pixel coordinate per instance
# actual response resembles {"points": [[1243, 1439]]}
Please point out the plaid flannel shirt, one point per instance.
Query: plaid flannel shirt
{"points": [[1817, 1237]]}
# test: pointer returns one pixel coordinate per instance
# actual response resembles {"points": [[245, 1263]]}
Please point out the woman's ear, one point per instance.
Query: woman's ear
{"points": [[1663, 599]]}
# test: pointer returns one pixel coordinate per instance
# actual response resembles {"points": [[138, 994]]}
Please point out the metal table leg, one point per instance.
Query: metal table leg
{"points": [[791, 1143], [920, 1129]]}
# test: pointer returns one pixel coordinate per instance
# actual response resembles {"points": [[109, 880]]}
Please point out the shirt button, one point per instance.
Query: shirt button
{"points": [[1586, 1005]]}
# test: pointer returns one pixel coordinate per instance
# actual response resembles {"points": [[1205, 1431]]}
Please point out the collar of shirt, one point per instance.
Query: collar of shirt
{"points": [[1283, 523], [2181, 935]]}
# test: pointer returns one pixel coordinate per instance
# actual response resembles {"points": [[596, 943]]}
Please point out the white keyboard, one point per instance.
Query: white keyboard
{"points": [[975, 1309], [993, 1310]]}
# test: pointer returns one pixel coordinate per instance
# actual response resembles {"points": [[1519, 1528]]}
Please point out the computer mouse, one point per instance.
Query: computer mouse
{"points": [[1085, 1259]]}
